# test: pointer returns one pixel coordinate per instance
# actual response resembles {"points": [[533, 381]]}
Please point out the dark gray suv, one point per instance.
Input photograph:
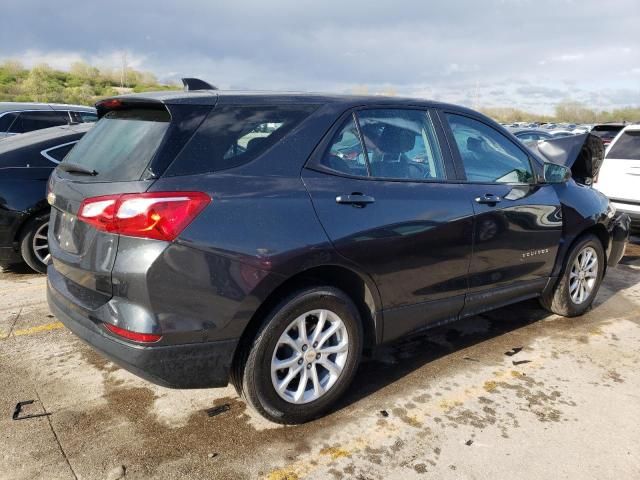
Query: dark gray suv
{"points": [[200, 237]]}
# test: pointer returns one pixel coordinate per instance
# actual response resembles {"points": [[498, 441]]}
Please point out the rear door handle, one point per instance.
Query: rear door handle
{"points": [[355, 199], [488, 199]]}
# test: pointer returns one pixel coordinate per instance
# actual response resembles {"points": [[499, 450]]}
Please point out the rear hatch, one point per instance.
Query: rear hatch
{"points": [[128, 149], [619, 177]]}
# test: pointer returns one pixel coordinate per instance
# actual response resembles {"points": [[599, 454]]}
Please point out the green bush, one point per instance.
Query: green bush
{"points": [[83, 84]]}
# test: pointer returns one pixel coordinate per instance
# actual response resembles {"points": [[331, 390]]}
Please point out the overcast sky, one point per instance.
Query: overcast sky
{"points": [[523, 53]]}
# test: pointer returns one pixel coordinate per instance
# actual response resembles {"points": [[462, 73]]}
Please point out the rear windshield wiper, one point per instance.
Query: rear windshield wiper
{"points": [[75, 168]]}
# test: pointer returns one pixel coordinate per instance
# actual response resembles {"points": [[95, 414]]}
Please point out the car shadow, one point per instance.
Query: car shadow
{"points": [[395, 360], [19, 269]]}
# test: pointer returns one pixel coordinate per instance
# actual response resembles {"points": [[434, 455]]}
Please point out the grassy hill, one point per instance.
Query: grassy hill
{"points": [[82, 84]]}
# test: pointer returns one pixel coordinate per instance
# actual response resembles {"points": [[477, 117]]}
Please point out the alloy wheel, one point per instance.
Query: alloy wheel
{"points": [[310, 356], [40, 243], [583, 275]]}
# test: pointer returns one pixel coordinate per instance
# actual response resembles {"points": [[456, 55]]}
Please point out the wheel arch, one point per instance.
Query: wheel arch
{"points": [[357, 286], [36, 211]]}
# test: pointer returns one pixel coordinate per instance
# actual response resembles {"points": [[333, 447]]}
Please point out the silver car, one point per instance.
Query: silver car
{"points": [[16, 118]]}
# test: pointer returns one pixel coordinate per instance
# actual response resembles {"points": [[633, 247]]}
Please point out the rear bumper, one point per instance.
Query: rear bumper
{"points": [[619, 238], [193, 365]]}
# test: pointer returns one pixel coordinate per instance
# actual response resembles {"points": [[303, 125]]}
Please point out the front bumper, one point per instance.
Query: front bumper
{"points": [[619, 238], [192, 365], [632, 210]]}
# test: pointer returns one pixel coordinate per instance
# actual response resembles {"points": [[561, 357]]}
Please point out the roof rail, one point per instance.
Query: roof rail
{"points": [[197, 84]]}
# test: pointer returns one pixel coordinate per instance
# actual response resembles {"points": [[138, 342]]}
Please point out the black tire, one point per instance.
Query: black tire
{"points": [[559, 299], [255, 374], [26, 242]]}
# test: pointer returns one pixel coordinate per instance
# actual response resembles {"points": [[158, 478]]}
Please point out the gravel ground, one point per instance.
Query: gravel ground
{"points": [[450, 403]]}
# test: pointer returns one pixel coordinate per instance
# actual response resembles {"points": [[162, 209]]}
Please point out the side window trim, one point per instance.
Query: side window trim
{"points": [[455, 153], [363, 144], [45, 152]]}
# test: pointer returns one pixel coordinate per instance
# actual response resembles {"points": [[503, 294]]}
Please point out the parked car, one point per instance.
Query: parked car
{"points": [[560, 133], [531, 135], [607, 131], [275, 268], [26, 161], [18, 118], [619, 177]]}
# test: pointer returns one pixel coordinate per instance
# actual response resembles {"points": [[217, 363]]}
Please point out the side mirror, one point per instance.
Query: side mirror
{"points": [[554, 173]]}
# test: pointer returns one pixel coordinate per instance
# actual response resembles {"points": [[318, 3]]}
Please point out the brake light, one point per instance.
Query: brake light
{"points": [[131, 335], [110, 104], [155, 215]]}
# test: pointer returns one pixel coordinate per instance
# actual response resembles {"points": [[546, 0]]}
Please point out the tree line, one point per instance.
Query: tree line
{"points": [[567, 111], [82, 84]]}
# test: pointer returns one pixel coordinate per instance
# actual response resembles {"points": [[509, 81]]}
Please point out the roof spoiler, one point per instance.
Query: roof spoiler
{"points": [[197, 84]]}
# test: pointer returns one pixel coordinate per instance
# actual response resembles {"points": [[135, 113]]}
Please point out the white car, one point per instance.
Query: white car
{"points": [[619, 177]]}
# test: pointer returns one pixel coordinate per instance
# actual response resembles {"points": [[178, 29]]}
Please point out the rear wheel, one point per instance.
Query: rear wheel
{"points": [[304, 357], [34, 245], [580, 280]]}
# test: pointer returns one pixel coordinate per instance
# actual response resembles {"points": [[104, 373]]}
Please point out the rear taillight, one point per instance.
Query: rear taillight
{"points": [[131, 335], [157, 215]]}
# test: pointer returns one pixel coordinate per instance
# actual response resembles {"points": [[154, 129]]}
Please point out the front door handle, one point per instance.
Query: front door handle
{"points": [[488, 199], [355, 199]]}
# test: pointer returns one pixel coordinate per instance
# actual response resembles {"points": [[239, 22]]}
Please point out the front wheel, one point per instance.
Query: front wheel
{"points": [[304, 357], [580, 280]]}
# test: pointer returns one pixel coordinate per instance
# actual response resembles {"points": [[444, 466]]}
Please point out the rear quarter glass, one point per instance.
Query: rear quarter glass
{"points": [[122, 144], [233, 135]]}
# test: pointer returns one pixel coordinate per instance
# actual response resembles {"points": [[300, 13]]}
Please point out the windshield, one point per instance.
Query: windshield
{"points": [[121, 145]]}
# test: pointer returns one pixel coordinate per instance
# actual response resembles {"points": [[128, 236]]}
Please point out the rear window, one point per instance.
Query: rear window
{"points": [[234, 135], [607, 128], [627, 147], [122, 144]]}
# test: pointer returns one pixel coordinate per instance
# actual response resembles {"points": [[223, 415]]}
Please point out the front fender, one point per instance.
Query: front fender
{"points": [[583, 209]]}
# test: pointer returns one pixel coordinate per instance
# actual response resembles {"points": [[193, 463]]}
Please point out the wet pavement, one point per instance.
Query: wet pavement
{"points": [[513, 393]]}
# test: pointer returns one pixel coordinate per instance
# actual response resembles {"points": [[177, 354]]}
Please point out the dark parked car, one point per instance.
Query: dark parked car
{"points": [[531, 135], [607, 131], [26, 161], [191, 262], [16, 118]]}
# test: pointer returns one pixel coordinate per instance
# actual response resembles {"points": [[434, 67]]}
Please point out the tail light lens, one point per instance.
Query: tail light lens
{"points": [[156, 215], [131, 335]]}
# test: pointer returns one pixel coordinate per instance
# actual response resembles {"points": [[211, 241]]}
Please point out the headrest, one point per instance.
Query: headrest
{"points": [[396, 140]]}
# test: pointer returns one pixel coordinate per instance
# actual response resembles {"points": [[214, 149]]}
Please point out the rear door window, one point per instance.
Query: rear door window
{"points": [[37, 120], [627, 147], [345, 154], [122, 144], [234, 135], [401, 144]]}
